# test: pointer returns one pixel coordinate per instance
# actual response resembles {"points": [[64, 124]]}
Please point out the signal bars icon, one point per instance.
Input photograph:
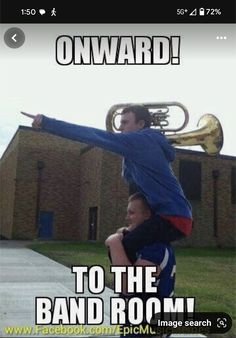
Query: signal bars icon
{"points": [[195, 12]]}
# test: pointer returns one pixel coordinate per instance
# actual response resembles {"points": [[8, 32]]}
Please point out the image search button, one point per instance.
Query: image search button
{"points": [[14, 37]]}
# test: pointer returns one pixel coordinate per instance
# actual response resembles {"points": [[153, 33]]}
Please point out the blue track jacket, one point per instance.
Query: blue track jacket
{"points": [[146, 153]]}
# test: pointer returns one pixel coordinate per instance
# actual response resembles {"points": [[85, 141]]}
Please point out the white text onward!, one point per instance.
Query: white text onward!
{"points": [[117, 50]]}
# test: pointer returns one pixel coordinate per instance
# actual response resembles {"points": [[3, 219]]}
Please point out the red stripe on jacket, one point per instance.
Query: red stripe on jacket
{"points": [[183, 224]]}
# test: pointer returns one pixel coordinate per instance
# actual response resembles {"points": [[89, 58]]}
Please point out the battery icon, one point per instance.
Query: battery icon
{"points": [[201, 11]]}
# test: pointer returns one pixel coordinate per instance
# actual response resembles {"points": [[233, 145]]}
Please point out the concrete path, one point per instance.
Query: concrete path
{"points": [[25, 275]]}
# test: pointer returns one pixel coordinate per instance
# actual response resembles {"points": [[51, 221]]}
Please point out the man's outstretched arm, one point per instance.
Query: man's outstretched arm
{"points": [[123, 144]]}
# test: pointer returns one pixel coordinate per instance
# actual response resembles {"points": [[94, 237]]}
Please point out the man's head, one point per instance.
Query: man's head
{"points": [[138, 210], [134, 117]]}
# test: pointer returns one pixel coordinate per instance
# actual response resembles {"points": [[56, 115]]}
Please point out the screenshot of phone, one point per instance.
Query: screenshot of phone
{"points": [[69, 164]]}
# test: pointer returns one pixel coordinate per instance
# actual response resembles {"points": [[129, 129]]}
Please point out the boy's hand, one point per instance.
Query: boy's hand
{"points": [[113, 239], [120, 230], [37, 119]]}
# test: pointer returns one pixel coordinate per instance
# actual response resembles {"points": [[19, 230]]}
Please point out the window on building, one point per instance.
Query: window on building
{"points": [[190, 173], [233, 185]]}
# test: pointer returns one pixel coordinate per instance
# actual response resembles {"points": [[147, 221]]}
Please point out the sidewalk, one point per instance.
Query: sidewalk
{"points": [[25, 275]]}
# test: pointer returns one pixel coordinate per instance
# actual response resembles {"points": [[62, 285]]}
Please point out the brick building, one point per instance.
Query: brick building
{"points": [[51, 187]]}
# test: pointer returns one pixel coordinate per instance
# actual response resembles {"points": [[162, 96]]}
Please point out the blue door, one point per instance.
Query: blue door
{"points": [[45, 224]]}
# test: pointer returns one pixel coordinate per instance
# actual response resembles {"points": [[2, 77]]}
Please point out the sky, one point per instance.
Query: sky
{"points": [[32, 81]]}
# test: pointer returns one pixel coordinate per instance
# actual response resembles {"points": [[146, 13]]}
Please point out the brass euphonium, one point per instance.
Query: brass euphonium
{"points": [[209, 135]]}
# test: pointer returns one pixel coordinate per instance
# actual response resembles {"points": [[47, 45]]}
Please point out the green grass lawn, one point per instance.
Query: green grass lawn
{"points": [[209, 274]]}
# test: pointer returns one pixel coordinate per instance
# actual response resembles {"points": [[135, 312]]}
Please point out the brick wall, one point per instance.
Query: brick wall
{"points": [[8, 165], [75, 178], [59, 184], [203, 210], [90, 186], [101, 187], [114, 195]]}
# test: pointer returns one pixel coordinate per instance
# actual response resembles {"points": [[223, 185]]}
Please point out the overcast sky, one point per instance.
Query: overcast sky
{"points": [[32, 81]]}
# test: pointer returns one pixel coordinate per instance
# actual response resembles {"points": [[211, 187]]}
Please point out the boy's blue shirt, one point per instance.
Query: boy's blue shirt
{"points": [[147, 155], [163, 256]]}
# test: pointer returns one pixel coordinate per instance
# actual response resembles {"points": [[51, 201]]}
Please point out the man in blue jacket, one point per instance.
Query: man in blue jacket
{"points": [[147, 155]]}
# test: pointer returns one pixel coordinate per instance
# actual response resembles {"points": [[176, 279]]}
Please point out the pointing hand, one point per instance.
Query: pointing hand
{"points": [[37, 119]]}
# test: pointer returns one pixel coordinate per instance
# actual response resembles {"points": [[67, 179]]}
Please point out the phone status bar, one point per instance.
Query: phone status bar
{"points": [[67, 12]]}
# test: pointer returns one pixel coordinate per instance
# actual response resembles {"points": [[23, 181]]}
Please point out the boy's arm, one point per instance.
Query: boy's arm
{"points": [[117, 252], [119, 257], [124, 144], [124, 231]]}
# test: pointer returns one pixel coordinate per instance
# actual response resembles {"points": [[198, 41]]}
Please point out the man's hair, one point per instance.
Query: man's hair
{"points": [[142, 198], [141, 113]]}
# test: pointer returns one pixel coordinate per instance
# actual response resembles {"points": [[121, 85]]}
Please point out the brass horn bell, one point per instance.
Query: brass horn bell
{"points": [[209, 135]]}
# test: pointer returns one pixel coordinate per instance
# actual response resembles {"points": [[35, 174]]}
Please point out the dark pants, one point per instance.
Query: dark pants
{"points": [[155, 229]]}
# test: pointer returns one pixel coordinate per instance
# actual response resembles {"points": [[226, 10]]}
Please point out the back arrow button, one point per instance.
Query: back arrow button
{"points": [[14, 37]]}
